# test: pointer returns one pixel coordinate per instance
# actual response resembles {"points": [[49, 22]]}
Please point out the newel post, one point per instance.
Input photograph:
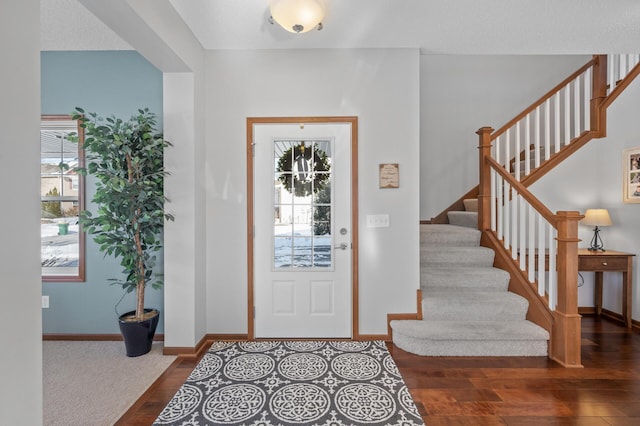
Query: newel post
{"points": [[566, 333], [484, 192]]}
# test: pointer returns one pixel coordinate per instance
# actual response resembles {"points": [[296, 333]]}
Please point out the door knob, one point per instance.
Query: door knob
{"points": [[341, 246]]}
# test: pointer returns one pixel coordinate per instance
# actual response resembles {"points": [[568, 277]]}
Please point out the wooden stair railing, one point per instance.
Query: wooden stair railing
{"points": [[605, 78], [516, 224], [520, 228]]}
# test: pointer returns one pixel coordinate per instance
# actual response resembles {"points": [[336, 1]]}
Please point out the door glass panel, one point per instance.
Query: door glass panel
{"points": [[302, 204]]}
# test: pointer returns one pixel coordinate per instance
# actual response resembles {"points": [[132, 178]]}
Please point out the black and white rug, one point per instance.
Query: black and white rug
{"points": [[315, 383]]}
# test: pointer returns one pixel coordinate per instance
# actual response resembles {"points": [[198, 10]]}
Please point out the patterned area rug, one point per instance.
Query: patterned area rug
{"points": [[321, 383]]}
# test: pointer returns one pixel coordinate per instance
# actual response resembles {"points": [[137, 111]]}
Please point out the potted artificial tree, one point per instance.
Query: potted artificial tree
{"points": [[126, 158]]}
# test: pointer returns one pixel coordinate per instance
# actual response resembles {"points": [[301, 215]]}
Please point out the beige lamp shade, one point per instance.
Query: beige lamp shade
{"points": [[297, 16], [596, 217]]}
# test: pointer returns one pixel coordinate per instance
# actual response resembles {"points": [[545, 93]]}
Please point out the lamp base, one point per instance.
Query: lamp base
{"points": [[596, 241]]}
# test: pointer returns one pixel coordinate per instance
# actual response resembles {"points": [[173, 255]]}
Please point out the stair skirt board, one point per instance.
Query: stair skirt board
{"points": [[475, 338]]}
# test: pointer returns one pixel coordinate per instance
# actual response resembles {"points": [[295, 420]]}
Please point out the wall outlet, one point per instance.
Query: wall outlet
{"points": [[377, 221], [45, 301]]}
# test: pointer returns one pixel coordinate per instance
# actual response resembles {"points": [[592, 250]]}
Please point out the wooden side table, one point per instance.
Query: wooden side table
{"points": [[609, 261]]}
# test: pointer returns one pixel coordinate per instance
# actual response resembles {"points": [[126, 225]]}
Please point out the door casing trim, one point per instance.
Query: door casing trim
{"points": [[353, 120]]}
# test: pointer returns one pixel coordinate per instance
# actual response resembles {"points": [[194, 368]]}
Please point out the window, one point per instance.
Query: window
{"points": [[62, 198]]}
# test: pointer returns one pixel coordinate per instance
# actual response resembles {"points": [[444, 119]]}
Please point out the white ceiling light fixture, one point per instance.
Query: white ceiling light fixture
{"points": [[297, 16]]}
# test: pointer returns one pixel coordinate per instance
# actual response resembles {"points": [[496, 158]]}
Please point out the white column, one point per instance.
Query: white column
{"points": [[184, 309], [21, 285]]}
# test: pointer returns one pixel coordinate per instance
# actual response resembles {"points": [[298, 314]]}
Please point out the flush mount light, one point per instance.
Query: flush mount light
{"points": [[297, 16]]}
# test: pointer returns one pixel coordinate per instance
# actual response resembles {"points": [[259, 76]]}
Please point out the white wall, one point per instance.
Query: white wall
{"points": [[20, 312], [592, 178], [460, 94], [381, 87]]}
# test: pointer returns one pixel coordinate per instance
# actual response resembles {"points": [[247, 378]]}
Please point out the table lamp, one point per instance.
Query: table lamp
{"points": [[596, 218]]}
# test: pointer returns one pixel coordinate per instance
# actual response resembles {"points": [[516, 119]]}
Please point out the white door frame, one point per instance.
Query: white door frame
{"points": [[251, 122]]}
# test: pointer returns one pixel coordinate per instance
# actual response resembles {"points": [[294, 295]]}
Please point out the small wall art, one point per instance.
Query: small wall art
{"points": [[389, 175], [631, 176]]}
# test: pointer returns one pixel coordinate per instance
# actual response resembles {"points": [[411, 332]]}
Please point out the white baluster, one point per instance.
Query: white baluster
{"points": [[505, 217], [499, 207], [531, 247], [523, 233], [553, 274], [493, 200], [610, 73], [586, 99], [507, 150], [557, 123], [567, 114], [499, 191], [517, 152], [541, 255], [576, 107], [527, 143], [547, 129], [536, 138], [514, 224]]}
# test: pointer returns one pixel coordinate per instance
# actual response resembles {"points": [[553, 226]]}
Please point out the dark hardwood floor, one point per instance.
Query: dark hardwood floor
{"points": [[494, 390]]}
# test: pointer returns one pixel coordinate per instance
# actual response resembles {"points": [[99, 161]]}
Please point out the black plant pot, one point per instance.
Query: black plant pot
{"points": [[138, 335]]}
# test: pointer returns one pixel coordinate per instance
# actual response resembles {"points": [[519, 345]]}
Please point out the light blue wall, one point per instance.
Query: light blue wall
{"points": [[106, 82]]}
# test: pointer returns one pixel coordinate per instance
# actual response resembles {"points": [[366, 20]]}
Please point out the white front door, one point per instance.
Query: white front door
{"points": [[302, 236]]}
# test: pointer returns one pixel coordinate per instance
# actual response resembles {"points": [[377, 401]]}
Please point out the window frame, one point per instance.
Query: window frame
{"points": [[80, 276]]}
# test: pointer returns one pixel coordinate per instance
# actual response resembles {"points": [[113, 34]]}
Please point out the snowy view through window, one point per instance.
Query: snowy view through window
{"points": [[60, 189], [302, 205]]}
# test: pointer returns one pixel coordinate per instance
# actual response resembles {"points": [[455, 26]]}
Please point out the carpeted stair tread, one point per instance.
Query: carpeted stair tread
{"points": [[468, 278], [470, 338], [431, 256], [470, 330], [463, 218], [449, 235], [452, 305]]}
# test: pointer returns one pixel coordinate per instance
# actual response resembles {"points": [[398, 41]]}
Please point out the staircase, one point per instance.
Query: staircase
{"points": [[467, 309]]}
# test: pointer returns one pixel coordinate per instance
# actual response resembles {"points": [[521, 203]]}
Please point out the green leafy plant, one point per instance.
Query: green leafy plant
{"points": [[126, 158]]}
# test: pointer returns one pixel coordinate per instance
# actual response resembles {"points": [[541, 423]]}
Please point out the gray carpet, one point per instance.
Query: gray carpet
{"points": [[335, 383], [467, 308], [93, 383]]}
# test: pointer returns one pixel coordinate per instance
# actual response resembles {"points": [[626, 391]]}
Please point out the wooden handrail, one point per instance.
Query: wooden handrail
{"points": [[540, 101], [557, 158], [524, 192], [626, 81]]}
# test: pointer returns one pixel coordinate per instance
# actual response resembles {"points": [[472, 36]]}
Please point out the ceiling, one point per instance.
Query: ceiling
{"points": [[433, 26]]}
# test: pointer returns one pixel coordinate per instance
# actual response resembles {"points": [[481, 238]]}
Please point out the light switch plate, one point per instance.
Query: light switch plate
{"points": [[377, 221]]}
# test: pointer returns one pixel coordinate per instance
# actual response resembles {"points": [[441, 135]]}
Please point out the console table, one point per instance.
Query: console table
{"points": [[609, 261]]}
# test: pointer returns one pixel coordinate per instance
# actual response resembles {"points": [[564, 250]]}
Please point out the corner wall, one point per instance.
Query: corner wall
{"points": [[106, 82], [20, 313]]}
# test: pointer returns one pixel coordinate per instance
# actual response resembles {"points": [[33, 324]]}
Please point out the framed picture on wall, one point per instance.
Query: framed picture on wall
{"points": [[631, 177]]}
